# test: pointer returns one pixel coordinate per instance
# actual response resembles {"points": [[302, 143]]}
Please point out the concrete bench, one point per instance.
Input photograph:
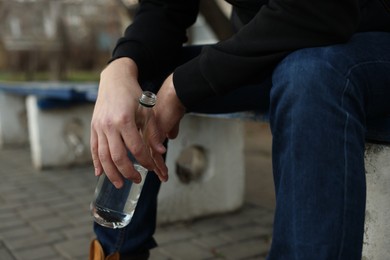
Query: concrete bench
{"points": [[53, 118], [207, 174], [377, 163]]}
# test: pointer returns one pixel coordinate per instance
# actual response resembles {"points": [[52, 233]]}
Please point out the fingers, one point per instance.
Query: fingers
{"points": [[109, 155], [120, 161], [138, 148], [95, 154], [102, 161], [174, 131], [109, 151], [109, 168], [161, 169], [154, 139]]}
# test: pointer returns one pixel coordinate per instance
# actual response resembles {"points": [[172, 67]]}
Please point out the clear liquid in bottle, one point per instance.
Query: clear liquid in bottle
{"points": [[112, 207]]}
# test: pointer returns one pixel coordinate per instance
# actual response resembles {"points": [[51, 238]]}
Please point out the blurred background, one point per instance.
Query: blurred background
{"points": [[59, 39], [72, 39], [44, 206]]}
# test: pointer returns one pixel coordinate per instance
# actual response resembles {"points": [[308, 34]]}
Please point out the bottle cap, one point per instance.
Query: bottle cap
{"points": [[148, 99]]}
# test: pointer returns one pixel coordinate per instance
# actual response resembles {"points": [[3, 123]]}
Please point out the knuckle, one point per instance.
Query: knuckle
{"points": [[118, 159], [93, 123], [118, 122], [104, 157], [103, 123], [136, 150], [107, 124], [95, 161], [94, 150]]}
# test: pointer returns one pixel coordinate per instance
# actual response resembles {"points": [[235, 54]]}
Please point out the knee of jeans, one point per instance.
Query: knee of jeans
{"points": [[305, 75]]}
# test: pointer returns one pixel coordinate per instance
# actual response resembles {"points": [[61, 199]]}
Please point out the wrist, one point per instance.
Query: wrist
{"points": [[123, 65]]}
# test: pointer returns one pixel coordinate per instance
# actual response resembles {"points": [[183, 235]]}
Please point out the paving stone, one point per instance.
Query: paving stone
{"points": [[7, 214], [51, 199], [85, 219], [7, 188], [254, 212], [6, 210], [80, 190], [17, 232], [245, 232], [51, 193], [82, 230], [16, 196], [211, 241], [10, 223], [38, 239], [208, 225], [245, 249], [236, 219], [266, 220], [186, 251], [34, 212], [48, 223], [74, 248], [173, 233], [75, 211], [37, 253], [158, 254], [62, 204], [5, 253]]}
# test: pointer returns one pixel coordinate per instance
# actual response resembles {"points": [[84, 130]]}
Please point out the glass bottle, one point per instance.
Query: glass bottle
{"points": [[112, 207]]}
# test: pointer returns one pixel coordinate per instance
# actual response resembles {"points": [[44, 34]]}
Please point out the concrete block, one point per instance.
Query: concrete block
{"points": [[206, 171], [377, 225], [13, 120], [59, 137]]}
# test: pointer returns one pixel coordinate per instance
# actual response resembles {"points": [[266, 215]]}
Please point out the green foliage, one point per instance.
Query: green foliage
{"points": [[72, 76]]}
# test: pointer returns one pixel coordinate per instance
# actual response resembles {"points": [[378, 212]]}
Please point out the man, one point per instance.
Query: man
{"points": [[321, 69]]}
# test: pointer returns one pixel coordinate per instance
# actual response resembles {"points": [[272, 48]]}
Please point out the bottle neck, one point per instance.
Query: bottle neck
{"points": [[148, 99], [146, 102]]}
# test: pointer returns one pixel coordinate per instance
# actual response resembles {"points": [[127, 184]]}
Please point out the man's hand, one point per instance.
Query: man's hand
{"points": [[114, 129], [169, 109]]}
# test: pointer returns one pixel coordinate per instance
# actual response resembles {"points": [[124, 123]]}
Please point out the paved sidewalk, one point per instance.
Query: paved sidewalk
{"points": [[45, 214]]}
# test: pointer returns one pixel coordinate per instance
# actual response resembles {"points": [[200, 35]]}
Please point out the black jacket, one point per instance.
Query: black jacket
{"points": [[272, 30]]}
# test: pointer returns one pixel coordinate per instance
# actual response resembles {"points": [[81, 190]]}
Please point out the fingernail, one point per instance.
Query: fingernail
{"points": [[117, 184], [162, 148]]}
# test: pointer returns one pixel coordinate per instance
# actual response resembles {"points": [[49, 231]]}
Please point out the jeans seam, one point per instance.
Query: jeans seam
{"points": [[120, 239], [346, 124], [345, 166]]}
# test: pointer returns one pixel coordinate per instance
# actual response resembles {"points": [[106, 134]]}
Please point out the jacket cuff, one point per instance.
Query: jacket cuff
{"points": [[130, 49], [190, 85]]}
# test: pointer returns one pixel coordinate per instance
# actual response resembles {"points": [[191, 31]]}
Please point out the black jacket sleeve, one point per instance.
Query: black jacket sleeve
{"points": [[156, 35], [279, 28]]}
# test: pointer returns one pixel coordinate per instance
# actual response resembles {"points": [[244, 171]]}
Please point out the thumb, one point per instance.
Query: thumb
{"points": [[172, 134], [155, 138]]}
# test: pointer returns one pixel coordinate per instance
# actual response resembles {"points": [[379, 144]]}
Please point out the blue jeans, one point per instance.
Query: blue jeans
{"points": [[319, 102]]}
